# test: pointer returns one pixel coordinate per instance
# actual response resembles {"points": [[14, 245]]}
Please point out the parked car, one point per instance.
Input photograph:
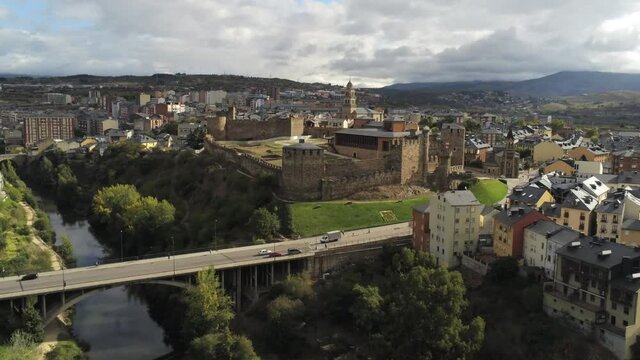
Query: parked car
{"points": [[274, 254], [293, 251], [30, 276], [264, 252]]}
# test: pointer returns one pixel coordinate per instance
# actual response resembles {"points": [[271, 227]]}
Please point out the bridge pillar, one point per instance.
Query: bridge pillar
{"points": [[255, 284], [237, 279], [64, 298], [11, 306], [273, 274], [288, 268], [43, 306]]}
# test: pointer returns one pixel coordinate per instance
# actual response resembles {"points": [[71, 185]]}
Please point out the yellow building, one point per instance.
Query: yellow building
{"points": [[559, 166], [592, 153], [576, 211], [630, 232], [530, 196], [508, 229], [547, 150], [596, 288]]}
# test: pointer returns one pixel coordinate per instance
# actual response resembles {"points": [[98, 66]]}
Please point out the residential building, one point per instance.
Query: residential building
{"points": [[547, 150], [577, 211], [508, 229], [612, 212], [588, 167], [491, 136], [589, 153], [145, 141], [596, 286], [596, 188], [143, 99], [486, 219], [541, 241], [630, 233], [57, 99], [530, 196], [421, 232], [41, 127], [561, 167], [476, 150], [454, 224], [625, 160]]}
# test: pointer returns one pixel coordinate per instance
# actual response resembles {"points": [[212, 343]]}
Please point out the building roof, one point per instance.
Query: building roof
{"points": [[629, 177], [631, 224], [488, 209], [590, 251], [374, 132], [595, 186], [304, 146], [554, 232], [579, 199], [460, 198], [452, 126], [550, 209], [513, 214], [527, 195], [424, 208], [610, 206]]}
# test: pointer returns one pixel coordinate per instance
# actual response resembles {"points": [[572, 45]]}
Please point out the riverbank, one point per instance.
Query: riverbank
{"points": [[56, 260]]}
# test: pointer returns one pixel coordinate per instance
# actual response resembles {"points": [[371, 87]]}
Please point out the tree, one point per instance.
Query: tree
{"points": [[284, 315], [66, 350], [472, 126], [265, 224], [32, 322], [110, 205], [503, 270], [170, 128], [423, 308], [556, 125], [286, 220], [297, 287], [195, 139], [22, 346], [208, 307], [367, 307], [221, 346], [66, 250]]}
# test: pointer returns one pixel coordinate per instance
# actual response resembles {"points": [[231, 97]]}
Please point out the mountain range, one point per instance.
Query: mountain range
{"points": [[565, 83]]}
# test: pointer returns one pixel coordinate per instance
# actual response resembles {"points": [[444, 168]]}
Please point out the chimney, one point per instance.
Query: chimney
{"points": [[301, 141]]}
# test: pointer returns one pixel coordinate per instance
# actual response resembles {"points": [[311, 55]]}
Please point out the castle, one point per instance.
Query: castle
{"points": [[387, 152]]}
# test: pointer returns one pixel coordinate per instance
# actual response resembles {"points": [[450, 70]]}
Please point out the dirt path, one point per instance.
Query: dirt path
{"points": [[56, 262]]}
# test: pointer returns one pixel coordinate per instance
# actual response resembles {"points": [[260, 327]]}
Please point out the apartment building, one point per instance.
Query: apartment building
{"points": [[421, 232], [541, 241], [42, 127], [454, 224], [508, 229], [596, 286]]}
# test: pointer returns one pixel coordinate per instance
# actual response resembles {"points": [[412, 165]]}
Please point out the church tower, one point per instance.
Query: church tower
{"points": [[349, 103], [510, 161]]}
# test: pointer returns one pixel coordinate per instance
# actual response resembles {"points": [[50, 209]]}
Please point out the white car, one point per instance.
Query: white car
{"points": [[264, 252]]}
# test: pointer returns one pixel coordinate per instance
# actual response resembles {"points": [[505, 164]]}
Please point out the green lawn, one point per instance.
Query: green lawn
{"points": [[489, 191], [314, 218]]}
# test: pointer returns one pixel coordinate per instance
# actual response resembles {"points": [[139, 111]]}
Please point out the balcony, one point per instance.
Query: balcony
{"points": [[575, 300]]}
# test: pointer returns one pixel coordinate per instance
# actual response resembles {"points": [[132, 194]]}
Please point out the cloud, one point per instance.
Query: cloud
{"points": [[374, 41]]}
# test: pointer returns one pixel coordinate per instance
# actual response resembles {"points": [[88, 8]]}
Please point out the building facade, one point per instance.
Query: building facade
{"points": [[454, 224], [508, 229], [37, 128]]}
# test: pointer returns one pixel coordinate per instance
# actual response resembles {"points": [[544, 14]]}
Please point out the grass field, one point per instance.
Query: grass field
{"points": [[314, 218], [489, 191]]}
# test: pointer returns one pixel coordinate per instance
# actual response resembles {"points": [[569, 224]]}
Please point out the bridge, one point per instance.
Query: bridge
{"points": [[242, 271]]}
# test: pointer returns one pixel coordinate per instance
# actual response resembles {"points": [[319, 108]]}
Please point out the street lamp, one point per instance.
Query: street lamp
{"points": [[63, 265], [121, 247], [215, 234], [173, 251]]}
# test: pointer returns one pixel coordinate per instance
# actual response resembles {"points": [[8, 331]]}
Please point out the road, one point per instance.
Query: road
{"points": [[131, 271]]}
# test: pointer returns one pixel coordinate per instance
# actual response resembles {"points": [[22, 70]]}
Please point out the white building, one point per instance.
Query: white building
{"points": [[541, 241], [455, 225]]}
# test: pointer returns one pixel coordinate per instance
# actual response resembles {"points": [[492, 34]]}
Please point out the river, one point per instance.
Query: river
{"points": [[114, 324]]}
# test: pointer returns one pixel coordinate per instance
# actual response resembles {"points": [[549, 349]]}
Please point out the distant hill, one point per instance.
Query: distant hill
{"points": [[566, 83]]}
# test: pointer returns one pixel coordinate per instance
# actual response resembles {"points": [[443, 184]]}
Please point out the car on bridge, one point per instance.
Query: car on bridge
{"points": [[264, 252], [30, 276], [274, 254], [293, 251]]}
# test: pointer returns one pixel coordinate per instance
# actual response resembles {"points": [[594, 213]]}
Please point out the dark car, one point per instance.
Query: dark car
{"points": [[274, 254], [293, 251], [30, 276]]}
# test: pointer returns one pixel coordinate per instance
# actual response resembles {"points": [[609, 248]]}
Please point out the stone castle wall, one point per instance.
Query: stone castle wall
{"points": [[346, 167], [333, 189], [252, 165], [260, 130]]}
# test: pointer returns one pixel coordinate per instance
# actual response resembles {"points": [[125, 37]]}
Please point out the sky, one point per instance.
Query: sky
{"points": [[373, 42]]}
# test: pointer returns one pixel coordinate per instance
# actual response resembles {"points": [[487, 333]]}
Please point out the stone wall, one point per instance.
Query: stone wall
{"points": [[320, 132], [260, 130], [340, 188], [252, 165], [347, 167], [475, 265]]}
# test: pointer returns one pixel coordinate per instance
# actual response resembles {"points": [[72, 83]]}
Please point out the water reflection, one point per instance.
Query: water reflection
{"points": [[114, 324]]}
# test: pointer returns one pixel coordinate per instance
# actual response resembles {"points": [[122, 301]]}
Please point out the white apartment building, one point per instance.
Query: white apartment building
{"points": [[455, 226]]}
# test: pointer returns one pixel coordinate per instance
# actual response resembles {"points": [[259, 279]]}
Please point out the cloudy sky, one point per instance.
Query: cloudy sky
{"points": [[375, 42]]}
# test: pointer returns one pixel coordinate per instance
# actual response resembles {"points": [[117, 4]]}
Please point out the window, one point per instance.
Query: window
{"points": [[625, 323], [626, 310], [613, 320], [592, 297]]}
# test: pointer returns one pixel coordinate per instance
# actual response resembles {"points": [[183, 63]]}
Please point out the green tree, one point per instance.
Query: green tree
{"points": [[66, 250], [22, 346], [532, 298], [423, 310], [221, 346], [170, 128], [503, 270], [286, 221], [195, 139], [111, 205], [297, 287], [556, 125], [265, 224], [367, 307], [67, 190], [471, 126], [284, 315], [209, 308], [32, 322], [66, 350]]}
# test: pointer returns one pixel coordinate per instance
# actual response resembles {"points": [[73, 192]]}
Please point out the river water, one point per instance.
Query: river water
{"points": [[114, 324]]}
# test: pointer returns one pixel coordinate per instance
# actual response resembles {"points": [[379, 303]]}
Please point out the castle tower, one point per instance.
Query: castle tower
{"points": [[510, 161], [302, 171], [454, 135], [349, 103], [424, 154]]}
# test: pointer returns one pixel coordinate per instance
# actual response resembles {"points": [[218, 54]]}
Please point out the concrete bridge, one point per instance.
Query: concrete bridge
{"points": [[243, 272]]}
